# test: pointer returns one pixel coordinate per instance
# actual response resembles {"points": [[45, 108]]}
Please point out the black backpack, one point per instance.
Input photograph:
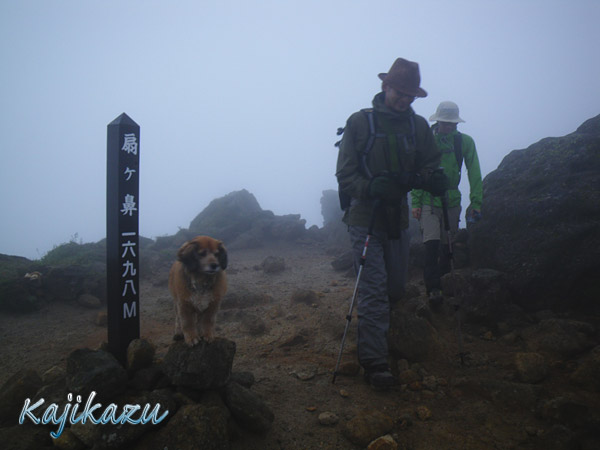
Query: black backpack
{"points": [[345, 199]]}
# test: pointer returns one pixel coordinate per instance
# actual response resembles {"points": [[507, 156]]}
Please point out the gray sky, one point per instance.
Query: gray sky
{"points": [[239, 94]]}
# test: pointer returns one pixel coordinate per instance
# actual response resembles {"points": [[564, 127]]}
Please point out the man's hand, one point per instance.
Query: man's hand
{"points": [[474, 216], [416, 213]]}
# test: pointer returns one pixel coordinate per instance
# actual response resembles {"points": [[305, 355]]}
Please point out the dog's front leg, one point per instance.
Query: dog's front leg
{"points": [[178, 336], [189, 320], [209, 316]]}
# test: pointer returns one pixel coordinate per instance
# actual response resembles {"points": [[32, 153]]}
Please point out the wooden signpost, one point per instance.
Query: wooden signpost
{"points": [[122, 234]]}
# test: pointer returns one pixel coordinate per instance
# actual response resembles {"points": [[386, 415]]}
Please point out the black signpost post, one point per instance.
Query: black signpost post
{"points": [[122, 234]]}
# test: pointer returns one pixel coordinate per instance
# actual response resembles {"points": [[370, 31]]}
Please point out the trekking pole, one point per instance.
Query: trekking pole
{"points": [[461, 353], [363, 258]]}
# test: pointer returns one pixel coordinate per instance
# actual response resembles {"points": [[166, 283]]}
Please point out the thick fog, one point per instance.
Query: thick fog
{"points": [[238, 94]]}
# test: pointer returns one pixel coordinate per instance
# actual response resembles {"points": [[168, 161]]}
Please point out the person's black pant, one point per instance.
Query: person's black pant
{"points": [[431, 271]]}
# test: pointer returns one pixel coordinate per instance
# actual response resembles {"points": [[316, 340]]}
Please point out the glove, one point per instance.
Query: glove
{"points": [[474, 216], [380, 186], [438, 183]]}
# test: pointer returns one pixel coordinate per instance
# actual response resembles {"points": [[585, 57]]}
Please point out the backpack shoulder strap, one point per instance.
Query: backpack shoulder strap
{"points": [[458, 149], [370, 113]]}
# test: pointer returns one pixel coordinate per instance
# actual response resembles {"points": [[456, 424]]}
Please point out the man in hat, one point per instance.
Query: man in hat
{"points": [[426, 208], [385, 152]]}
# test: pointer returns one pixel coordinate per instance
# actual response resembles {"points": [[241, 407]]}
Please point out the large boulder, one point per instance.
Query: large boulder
{"points": [[227, 217], [250, 411], [203, 366], [330, 207], [194, 426], [334, 232], [15, 390], [541, 221], [18, 295], [95, 370], [239, 221]]}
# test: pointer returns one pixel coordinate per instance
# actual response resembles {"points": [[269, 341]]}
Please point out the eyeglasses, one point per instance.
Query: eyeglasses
{"points": [[407, 96]]}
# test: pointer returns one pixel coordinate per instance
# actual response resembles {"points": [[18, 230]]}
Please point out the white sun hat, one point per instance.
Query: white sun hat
{"points": [[446, 112]]}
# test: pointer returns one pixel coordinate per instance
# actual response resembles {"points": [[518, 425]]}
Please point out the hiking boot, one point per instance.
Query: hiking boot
{"points": [[436, 298], [380, 378]]}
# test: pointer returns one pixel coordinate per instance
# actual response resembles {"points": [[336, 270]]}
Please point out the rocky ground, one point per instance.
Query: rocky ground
{"points": [[529, 383]]}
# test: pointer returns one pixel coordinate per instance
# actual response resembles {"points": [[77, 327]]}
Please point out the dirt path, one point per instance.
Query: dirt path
{"points": [[291, 349]]}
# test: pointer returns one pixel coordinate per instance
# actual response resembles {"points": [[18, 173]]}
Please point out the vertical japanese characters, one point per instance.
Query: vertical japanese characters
{"points": [[129, 256]]}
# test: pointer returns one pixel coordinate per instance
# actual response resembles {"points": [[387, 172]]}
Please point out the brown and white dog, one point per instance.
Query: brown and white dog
{"points": [[198, 282]]}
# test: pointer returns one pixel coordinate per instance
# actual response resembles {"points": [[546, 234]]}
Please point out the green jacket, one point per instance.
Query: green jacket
{"points": [[420, 156], [446, 145]]}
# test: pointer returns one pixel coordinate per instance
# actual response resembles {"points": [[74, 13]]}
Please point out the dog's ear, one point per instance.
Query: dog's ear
{"points": [[222, 256], [187, 253]]}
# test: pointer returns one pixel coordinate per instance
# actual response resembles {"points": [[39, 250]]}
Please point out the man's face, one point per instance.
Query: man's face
{"points": [[446, 127], [396, 100]]}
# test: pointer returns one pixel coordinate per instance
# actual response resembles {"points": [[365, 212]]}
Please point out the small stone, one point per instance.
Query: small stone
{"points": [[367, 426], [386, 442], [416, 386], [427, 395], [408, 376], [531, 367], [423, 413], [405, 421], [305, 374], [328, 418], [430, 383], [488, 336], [306, 296]]}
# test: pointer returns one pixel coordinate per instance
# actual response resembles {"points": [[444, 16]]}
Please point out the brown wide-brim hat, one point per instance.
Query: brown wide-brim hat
{"points": [[404, 76]]}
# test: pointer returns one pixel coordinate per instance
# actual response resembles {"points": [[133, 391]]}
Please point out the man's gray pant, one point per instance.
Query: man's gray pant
{"points": [[382, 281]]}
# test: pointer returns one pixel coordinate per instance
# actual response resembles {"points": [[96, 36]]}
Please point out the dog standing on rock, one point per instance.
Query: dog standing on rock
{"points": [[198, 282]]}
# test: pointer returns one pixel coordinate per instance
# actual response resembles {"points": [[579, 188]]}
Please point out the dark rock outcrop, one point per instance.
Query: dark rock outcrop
{"points": [[15, 390], [250, 411], [95, 370], [203, 366], [238, 220], [541, 221], [334, 232], [193, 426], [330, 207]]}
